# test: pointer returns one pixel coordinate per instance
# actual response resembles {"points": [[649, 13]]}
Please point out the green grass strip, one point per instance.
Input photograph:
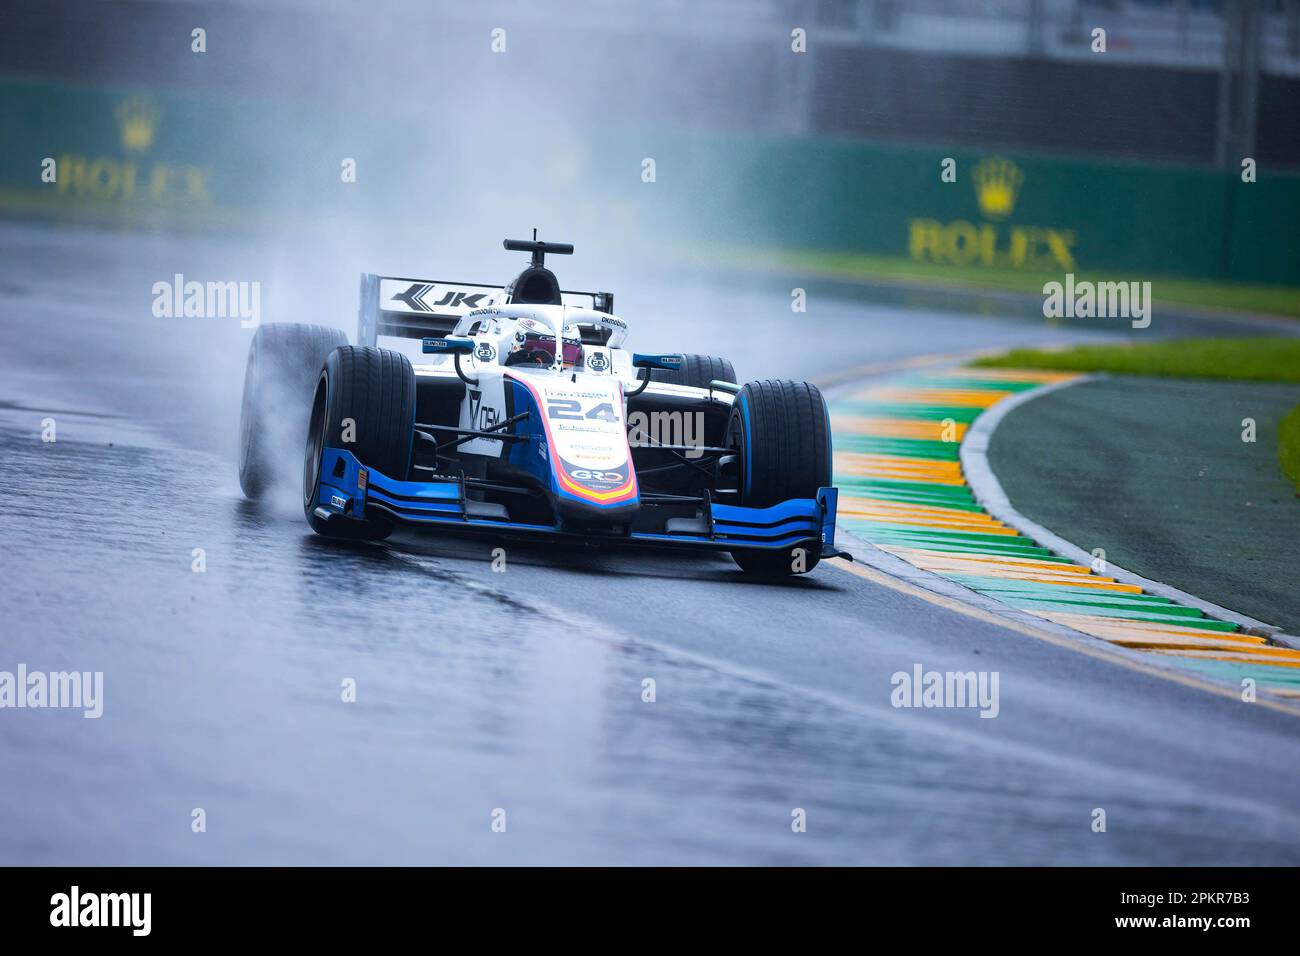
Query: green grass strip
{"points": [[1234, 672], [999, 585], [1274, 359], [925, 489], [911, 502], [899, 447], [947, 534], [1091, 602], [1032, 551], [964, 414], [1200, 623], [867, 267], [990, 385], [1003, 542]]}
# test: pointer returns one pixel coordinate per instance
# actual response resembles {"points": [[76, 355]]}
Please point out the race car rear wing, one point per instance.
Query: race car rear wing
{"points": [[416, 308]]}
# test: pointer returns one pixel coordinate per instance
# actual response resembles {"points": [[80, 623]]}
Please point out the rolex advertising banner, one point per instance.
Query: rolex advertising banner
{"points": [[184, 160], [145, 158], [988, 209]]}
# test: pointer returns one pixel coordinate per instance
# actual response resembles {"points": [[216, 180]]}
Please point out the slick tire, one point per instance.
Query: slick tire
{"points": [[783, 432], [697, 371], [284, 361], [373, 391]]}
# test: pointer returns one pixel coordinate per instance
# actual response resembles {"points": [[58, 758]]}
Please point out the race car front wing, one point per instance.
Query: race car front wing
{"points": [[349, 490]]}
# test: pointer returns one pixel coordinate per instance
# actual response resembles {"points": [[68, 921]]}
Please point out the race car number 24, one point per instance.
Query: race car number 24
{"points": [[568, 409]]}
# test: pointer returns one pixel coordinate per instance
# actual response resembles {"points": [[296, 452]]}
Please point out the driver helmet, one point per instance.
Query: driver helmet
{"points": [[533, 344]]}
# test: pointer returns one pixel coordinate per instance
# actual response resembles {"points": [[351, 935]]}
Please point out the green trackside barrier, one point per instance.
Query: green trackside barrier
{"points": [[161, 158], [124, 157], [151, 156], [1004, 213]]}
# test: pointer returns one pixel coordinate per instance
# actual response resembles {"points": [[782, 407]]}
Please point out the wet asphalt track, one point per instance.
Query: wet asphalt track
{"points": [[520, 690]]}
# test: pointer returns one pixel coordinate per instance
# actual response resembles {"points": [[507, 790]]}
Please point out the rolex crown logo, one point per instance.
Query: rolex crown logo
{"points": [[137, 118], [997, 184]]}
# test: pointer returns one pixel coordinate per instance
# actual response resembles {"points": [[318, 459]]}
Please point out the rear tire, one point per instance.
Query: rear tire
{"points": [[783, 432], [697, 371], [284, 361], [375, 388]]}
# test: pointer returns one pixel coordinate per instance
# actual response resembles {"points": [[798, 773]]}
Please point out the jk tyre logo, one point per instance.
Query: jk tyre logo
{"points": [[418, 297]]}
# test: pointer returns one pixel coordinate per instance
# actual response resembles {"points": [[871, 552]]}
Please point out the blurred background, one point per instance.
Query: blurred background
{"points": [[467, 122]]}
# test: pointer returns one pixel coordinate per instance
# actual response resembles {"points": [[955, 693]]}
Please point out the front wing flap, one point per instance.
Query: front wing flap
{"points": [[348, 490]]}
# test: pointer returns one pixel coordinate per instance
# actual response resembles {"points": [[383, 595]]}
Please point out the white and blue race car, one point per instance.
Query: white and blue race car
{"points": [[523, 414]]}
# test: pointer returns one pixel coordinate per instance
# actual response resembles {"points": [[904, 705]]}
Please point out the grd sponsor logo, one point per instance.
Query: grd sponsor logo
{"points": [[993, 243], [586, 474], [596, 479], [130, 176]]}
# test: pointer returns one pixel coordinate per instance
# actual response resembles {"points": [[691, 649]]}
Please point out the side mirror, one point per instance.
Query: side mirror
{"points": [[671, 362], [448, 346]]}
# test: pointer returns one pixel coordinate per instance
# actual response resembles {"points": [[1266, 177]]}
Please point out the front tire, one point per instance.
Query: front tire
{"points": [[284, 361], [367, 395], [783, 432]]}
